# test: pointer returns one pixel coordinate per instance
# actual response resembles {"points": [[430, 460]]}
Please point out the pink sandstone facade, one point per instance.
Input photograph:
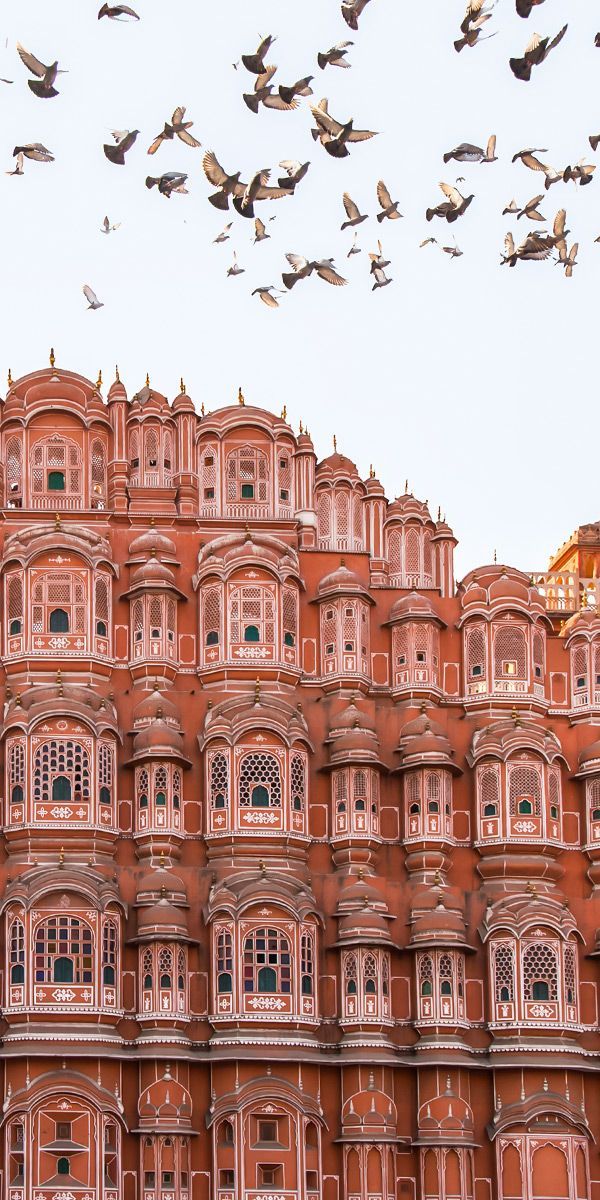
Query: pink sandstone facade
{"points": [[301, 837]]}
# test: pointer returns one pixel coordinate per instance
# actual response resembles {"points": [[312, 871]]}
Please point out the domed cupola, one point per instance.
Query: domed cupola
{"points": [[365, 962], [163, 939], [409, 547], [581, 636], [416, 656]]}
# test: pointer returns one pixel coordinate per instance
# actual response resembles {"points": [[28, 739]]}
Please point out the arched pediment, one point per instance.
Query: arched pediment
{"points": [[224, 555], [54, 702], [67, 1083], [24, 546], [531, 1114], [274, 895], [267, 1093], [41, 883], [525, 914], [237, 719]]}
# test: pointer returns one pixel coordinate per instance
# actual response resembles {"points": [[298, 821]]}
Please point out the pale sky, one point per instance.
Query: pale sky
{"points": [[474, 381]]}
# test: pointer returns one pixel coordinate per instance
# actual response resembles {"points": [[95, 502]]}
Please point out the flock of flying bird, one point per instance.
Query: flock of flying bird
{"points": [[336, 137]]}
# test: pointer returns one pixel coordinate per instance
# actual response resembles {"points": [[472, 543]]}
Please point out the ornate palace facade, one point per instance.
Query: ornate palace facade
{"points": [[301, 838]]}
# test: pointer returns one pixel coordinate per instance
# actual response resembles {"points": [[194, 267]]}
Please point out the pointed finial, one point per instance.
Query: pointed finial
{"points": [[57, 523], [52, 358], [99, 380], [495, 557], [202, 409], [182, 387], [439, 516], [335, 443], [545, 1084], [371, 472], [301, 427], [9, 379], [117, 376], [284, 413], [147, 379], [257, 691], [241, 396], [162, 858], [61, 857], [584, 599], [406, 487]]}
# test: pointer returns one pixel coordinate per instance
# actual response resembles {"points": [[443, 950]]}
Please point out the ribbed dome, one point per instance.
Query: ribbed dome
{"points": [[155, 707], [342, 581], [153, 573], [158, 740], [420, 725], [162, 918], [408, 506], [336, 466], [351, 716], [590, 754], [414, 606], [152, 540], [161, 883], [183, 403]]}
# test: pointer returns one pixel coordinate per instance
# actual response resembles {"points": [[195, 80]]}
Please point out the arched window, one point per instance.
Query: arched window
{"points": [[14, 604], [14, 472], [525, 789], [503, 961], [475, 655], [540, 972], [56, 467], [64, 948], [351, 975], [106, 764], [212, 618], [59, 621], [267, 962], [510, 654], [61, 771], [247, 477], [63, 1166], [252, 614], [17, 952], [224, 962], [307, 965], [109, 953], [98, 473], [208, 479], [426, 975], [102, 606], [260, 781], [219, 780], [298, 782]]}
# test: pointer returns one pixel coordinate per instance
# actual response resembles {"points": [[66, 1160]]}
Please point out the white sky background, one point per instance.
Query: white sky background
{"points": [[476, 382]]}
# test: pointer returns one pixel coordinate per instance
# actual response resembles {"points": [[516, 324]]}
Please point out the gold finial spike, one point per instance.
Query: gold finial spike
{"points": [[495, 557], [61, 857], [335, 443], [371, 471], [241, 396], [182, 386], [52, 358], [57, 523], [257, 691], [301, 427], [202, 409], [9, 379], [406, 487], [584, 600], [439, 516], [162, 858], [147, 379], [117, 376], [99, 380], [284, 413]]}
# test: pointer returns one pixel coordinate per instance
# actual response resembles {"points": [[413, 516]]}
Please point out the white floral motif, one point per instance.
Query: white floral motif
{"points": [[266, 1003]]}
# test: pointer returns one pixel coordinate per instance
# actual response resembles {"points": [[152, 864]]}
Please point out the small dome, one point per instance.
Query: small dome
{"points": [[591, 754], [440, 926], [161, 883], [162, 919], [499, 586], [407, 506], [413, 607], [336, 466], [152, 540], [153, 573], [583, 624], [420, 725], [155, 707], [505, 737], [341, 581], [116, 390], [158, 740], [183, 402], [365, 925], [165, 1106], [352, 716]]}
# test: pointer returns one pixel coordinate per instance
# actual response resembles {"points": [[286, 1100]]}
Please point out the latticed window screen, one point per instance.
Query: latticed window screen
{"points": [[350, 974], [433, 791], [445, 975], [359, 788], [219, 780], [342, 513], [252, 606], [260, 772], [307, 964], [50, 457], [400, 637], [504, 971], [540, 966], [488, 783], [596, 653], [341, 790], [537, 644], [289, 608], [412, 784], [165, 967], [357, 521], [59, 590], [65, 760], [16, 765], [267, 962], [147, 969], [151, 449], [155, 612], [510, 652], [579, 667], [208, 474], [102, 602], [64, 947], [525, 790], [425, 975], [324, 515], [17, 952], [106, 766], [14, 467], [137, 620], [475, 657], [212, 600], [298, 781], [247, 476], [329, 632], [570, 973], [554, 791], [412, 546], [224, 960], [171, 619], [284, 475], [593, 798], [98, 469], [110, 943], [350, 628], [394, 549], [168, 463], [14, 591], [369, 973]]}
